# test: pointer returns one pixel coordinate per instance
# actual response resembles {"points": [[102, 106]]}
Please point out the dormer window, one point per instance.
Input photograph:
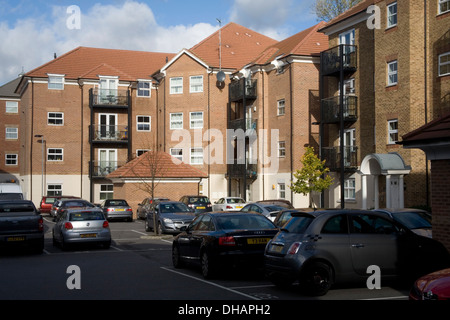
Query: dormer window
{"points": [[56, 81]]}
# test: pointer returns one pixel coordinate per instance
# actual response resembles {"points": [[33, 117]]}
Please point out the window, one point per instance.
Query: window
{"points": [[365, 223], [196, 155], [55, 154], [12, 107], [176, 120], [196, 120], [176, 85], [140, 152], [282, 190], [106, 191], [281, 149], [54, 190], [11, 159], [392, 15], [144, 88], [12, 133], [55, 118], [56, 82], [392, 73], [392, 131], [177, 153], [444, 64], [281, 107], [444, 6], [336, 225], [196, 84], [349, 189], [143, 123]]}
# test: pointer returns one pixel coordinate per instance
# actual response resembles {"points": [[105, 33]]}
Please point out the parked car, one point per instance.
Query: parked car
{"points": [[419, 221], [81, 225], [170, 216], [267, 209], [48, 201], [146, 206], [218, 240], [279, 202], [117, 209], [60, 205], [330, 246], [433, 286], [11, 191], [228, 204], [283, 216], [198, 203]]}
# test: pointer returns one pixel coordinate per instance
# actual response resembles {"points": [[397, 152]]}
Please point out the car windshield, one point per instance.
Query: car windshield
{"points": [[250, 221], [199, 200], [173, 207], [413, 220], [298, 224], [16, 207], [86, 215], [116, 203], [274, 208], [50, 200], [235, 200]]}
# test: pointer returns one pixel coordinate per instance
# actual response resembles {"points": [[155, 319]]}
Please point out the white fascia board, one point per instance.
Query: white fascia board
{"points": [[347, 23], [184, 51]]}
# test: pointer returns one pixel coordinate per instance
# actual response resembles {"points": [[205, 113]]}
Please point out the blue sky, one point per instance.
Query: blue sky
{"points": [[32, 30]]}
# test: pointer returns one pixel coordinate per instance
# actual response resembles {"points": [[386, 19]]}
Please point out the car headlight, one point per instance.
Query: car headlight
{"points": [[167, 220]]}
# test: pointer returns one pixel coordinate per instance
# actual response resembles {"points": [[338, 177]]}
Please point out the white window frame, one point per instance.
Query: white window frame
{"points": [[143, 123], [11, 133], [392, 131], [12, 107], [11, 159], [447, 64], [391, 72], [350, 189], [105, 193], [56, 189], [177, 153], [56, 152], [443, 3], [195, 123], [144, 92], [196, 156], [174, 121], [343, 39], [281, 149], [195, 87], [55, 81], [281, 190], [176, 88], [51, 116], [391, 19], [281, 107]]}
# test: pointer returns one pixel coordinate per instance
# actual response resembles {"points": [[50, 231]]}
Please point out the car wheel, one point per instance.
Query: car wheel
{"points": [[208, 266], [176, 260], [317, 279]]}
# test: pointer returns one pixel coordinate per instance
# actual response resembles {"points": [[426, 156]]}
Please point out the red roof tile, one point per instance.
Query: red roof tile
{"points": [[164, 165]]}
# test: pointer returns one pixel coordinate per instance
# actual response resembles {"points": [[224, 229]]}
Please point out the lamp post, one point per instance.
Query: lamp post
{"points": [[42, 160]]}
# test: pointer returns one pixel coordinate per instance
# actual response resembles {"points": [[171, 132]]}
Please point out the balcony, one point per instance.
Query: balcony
{"points": [[331, 109], [237, 171], [109, 98], [337, 58], [242, 89], [100, 169], [108, 134], [248, 124], [332, 157]]}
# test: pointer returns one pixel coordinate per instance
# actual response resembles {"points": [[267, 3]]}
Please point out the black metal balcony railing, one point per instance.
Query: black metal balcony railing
{"points": [[242, 88], [331, 109], [110, 97], [332, 157], [237, 171], [248, 124], [101, 169], [342, 56], [108, 133]]}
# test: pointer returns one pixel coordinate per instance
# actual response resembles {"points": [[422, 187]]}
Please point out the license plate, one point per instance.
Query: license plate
{"points": [[258, 240], [238, 207], [276, 248], [88, 235], [15, 239], [200, 207], [120, 210]]}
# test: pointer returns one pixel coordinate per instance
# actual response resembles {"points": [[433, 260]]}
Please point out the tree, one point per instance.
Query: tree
{"points": [[325, 10], [312, 176]]}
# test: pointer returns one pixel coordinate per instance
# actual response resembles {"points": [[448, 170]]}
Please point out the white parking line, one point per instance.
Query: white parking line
{"points": [[387, 298], [142, 233], [211, 283]]}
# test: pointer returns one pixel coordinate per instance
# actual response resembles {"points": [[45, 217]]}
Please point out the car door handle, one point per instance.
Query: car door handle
{"points": [[358, 245]]}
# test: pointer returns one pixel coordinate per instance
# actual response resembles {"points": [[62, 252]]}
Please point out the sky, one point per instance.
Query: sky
{"points": [[32, 31]]}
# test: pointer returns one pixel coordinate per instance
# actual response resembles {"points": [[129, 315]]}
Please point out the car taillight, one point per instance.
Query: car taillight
{"points": [[68, 226], [129, 209], [105, 224], [229, 207], [191, 205], [209, 205], [109, 209], [41, 224], [293, 249], [227, 241]]}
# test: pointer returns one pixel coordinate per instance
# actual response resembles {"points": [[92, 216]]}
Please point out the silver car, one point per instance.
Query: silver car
{"points": [[229, 204], [81, 225], [117, 209]]}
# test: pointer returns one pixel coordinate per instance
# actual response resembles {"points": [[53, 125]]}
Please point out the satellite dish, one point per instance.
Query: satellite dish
{"points": [[221, 76]]}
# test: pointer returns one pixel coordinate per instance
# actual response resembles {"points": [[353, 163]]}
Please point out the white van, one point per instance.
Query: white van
{"points": [[10, 191]]}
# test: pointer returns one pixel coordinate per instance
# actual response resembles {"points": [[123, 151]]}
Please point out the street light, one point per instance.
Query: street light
{"points": [[42, 175]]}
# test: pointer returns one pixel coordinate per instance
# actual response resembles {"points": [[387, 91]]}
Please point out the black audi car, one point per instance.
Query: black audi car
{"points": [[217, 240]]}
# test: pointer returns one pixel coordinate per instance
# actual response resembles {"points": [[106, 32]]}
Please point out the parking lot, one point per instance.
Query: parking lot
{"points": [[138, 261]]}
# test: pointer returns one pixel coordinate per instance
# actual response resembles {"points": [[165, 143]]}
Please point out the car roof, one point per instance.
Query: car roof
{"points": [[229, 214], [395, 210], [97, 209]]}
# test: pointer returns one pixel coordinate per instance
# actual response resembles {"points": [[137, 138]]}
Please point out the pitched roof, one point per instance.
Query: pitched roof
{"points": [[438, 129], [239, 46], [308, 42], [88, 63], [165, 166], [8, 90], [357, 8]]}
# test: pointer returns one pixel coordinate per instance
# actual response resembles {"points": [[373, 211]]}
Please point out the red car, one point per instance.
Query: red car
{"points": [[433, 286], [47, 202]]}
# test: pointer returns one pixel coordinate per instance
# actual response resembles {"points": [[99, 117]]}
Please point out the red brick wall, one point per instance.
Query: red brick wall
{"points": [[440, 200]]}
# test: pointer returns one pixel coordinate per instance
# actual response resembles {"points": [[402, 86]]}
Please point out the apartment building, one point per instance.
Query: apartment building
{"points": [[387, 67]]}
